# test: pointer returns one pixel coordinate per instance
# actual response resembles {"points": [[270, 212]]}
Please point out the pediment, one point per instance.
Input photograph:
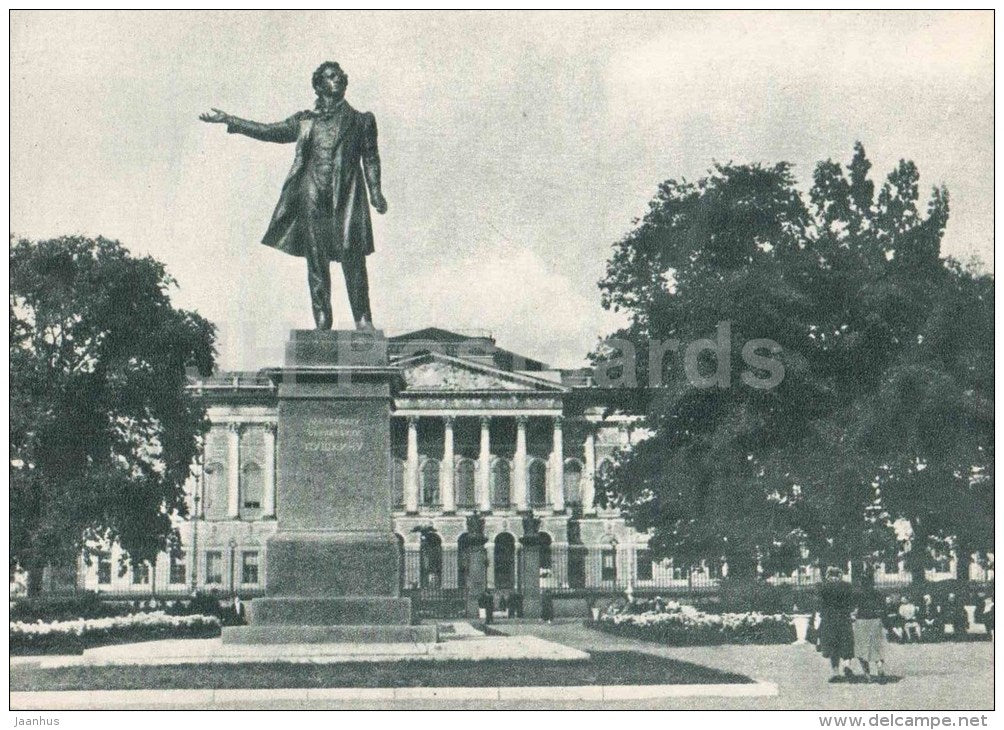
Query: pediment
{"points": [[443, 373]]}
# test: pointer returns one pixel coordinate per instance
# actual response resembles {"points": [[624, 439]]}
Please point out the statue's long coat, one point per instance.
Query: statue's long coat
{"points": [[324, 197]]}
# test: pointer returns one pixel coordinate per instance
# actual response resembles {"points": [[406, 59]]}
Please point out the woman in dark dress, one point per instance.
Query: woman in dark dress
{"points": [[836, 634]]}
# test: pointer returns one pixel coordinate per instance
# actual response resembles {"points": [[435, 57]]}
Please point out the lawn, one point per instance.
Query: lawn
{"points": [[605, 668]]}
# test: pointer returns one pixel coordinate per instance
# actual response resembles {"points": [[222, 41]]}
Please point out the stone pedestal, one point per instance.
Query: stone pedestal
{"points": [[331, 568], [529, 576], [477, 579]]}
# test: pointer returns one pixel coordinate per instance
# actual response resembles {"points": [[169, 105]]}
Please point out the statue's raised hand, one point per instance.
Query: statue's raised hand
{"points": [[214, 117]]}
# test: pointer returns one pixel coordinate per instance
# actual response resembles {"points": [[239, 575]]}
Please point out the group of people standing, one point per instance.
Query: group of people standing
{"points": [[843, 638], [854, 619], [510, 605]]}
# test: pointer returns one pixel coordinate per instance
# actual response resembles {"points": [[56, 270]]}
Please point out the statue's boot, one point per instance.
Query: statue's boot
{"points": [[365, 325], [322, 319]]}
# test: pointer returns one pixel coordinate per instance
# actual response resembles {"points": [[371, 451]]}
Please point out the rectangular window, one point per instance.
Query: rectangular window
{"points": [[643, 564], [249, 568], [104, 572], [214, 567], [178, 569], [140, 573], [608, 564]]}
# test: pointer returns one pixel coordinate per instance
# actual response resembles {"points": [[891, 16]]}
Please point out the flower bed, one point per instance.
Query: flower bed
{"points": [[72, 637], [677, 624]]}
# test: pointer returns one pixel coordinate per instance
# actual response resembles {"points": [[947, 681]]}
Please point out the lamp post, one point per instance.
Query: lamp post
{"points": [[233, 566], [195, 545]]}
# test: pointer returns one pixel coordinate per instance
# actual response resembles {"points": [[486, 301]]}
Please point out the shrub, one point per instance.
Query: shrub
{"points": [[49, 608], [208, 604], [742, 595], [72, 637], [676, 624]]}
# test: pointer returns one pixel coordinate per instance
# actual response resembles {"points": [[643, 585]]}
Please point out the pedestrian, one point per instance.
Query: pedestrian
{"points": [[987, 615], [893, 622], [909, 613], [869, 634], [929, 616], [954, 614], [836, 636], [486, 605]]}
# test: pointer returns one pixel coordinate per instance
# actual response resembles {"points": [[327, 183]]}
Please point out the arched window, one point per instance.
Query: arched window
{"points": [[214, 497], [573, 482], [252, 489], [430, 483], [466, 481], [505, 560], [536, 482], [398, 484], [501, 479], [431, 560], [605, 468], [603, 472]]}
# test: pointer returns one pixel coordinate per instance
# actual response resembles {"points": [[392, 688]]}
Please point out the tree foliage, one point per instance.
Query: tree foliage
{"points": [[888, 368], [103, 431]]}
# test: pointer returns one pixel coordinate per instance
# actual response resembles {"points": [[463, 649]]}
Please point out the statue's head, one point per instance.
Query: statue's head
{"points": [[329, 80]]}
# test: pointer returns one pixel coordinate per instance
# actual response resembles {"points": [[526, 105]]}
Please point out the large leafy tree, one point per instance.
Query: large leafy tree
{"points": [[887, 356], [103, 431]]}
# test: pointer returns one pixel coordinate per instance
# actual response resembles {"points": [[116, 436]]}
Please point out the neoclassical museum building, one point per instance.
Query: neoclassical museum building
{"points": [[476, 430]]}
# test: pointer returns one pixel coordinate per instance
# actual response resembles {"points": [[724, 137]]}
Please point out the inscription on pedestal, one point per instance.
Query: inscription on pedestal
{"points": [[334, 466], [337, 435]]}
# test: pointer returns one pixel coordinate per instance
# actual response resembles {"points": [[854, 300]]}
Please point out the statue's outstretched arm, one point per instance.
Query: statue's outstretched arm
{"points": [[284, 132]]}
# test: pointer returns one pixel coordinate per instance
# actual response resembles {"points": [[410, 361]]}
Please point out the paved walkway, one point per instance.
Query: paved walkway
{"points": [[468, 646], [950, 676]]}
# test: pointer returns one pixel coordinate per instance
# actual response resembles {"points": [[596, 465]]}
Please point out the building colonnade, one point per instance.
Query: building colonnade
{"points": [[245, 473], [489, 480]]}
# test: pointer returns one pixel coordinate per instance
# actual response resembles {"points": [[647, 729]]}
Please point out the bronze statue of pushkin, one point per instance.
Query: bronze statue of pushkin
{"points": [[323, 211]]}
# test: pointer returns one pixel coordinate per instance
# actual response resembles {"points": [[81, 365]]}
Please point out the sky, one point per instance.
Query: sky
{"points": [[517, 147]]}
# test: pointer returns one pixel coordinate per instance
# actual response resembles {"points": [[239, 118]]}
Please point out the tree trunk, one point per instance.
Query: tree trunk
{"points": [[741, 567], [916, 559], [916, 562], [963, 559], [35, 574]]}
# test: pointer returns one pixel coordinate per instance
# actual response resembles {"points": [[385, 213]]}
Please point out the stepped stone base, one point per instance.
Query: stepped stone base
{"points": [[341, 634], [311, 611]]}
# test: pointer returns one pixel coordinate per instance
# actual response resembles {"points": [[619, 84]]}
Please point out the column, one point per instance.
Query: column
{"points": [[268, 499], [446, 468], [484, 466], [557, 467], [589, 474], [411, 468], [234, 471], [519, 465]]}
